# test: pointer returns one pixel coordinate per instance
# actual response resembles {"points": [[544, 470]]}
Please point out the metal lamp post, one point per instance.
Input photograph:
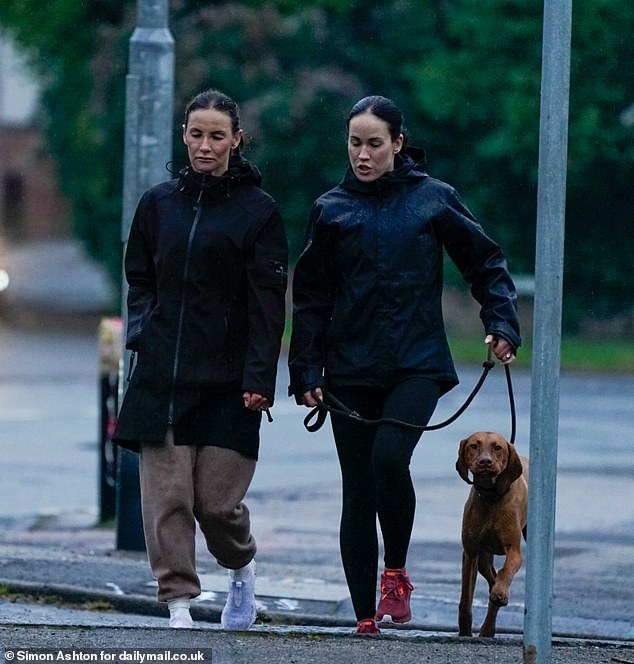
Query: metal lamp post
{"points": [[549, 259], [148, 147]]}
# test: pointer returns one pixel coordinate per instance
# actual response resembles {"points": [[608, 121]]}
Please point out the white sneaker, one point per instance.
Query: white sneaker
{"points": [[179, 614], [239, 612]]}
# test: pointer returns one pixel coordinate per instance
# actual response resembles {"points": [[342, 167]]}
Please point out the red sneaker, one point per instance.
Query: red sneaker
{"points": [[367, 627], [395, 593]]}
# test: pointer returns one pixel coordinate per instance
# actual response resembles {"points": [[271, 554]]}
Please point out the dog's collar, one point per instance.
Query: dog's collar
{"points": [[489, 493]]}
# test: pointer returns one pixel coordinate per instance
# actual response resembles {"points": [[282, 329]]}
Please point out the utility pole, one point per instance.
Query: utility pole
{"points": [[148, 148], [549, 261]]}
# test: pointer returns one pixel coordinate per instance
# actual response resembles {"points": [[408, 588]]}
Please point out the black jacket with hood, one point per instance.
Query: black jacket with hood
{"points": [[206, 264], [367, 287]]}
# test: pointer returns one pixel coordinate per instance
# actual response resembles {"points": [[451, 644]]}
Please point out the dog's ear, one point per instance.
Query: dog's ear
{"points": [[461, 463], [512, 471]]}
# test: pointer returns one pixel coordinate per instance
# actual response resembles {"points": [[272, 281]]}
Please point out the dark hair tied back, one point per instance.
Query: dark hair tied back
{"points": [[383, 108], [214, 99]]}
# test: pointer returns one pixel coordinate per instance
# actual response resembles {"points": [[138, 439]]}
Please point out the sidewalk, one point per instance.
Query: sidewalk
{"points": [[72, 582], [63, 583]]}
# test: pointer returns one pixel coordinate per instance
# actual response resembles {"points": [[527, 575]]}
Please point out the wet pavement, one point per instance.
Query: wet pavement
{"points": [[59, 571], [69, 591]]}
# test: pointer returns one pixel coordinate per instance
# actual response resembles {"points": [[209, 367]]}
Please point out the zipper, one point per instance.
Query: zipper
{"points": [[131, 366], [181, 314]]}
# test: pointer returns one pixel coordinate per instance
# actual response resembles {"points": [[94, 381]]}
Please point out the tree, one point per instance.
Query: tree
{"points": [[465, 72], [78, 50], [481, 89]]}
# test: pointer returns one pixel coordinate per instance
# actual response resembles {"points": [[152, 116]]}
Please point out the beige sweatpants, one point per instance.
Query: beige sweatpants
{"points": [[185, 484]]}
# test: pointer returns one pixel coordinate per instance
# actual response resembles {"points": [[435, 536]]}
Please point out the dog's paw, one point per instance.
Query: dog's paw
{"points": [[487, 631], [464, 629], [499, 596]]}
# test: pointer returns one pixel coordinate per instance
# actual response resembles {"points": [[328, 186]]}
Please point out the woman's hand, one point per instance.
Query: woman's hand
{"points": [[313, 397], [255, 401], [501, 348]]}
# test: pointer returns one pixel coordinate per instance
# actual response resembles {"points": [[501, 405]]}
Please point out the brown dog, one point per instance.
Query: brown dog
{"points": [[493, 523]]}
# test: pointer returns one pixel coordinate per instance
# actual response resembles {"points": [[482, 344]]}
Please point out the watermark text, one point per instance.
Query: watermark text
{"points": [[108, 655]]}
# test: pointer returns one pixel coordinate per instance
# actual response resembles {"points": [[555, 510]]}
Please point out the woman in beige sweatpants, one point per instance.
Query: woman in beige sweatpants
{"points": [[188, 484], [206, 265]]}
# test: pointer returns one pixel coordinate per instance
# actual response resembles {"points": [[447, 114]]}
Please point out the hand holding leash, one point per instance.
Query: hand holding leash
{"points": [[313, 397], [501, 348]]}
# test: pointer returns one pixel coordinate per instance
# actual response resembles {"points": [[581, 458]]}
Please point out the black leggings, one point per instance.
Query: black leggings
{"points": [[376, 479]]}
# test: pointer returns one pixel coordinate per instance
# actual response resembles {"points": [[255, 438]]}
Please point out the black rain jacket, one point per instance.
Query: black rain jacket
{"points": [[206, 264], [367, 286]]}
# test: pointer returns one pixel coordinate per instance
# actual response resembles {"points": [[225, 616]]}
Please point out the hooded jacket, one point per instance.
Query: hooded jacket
{"points": [[206, 264], [368, 284]]}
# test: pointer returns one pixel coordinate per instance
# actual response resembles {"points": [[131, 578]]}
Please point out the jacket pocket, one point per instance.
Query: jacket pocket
{"points": [[274, 274]]}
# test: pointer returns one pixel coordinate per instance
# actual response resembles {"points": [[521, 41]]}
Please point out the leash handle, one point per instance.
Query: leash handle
{"points": [[318, 413], [321, 410]]}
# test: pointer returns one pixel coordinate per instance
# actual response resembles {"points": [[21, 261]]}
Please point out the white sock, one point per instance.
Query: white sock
{"points": [[243, 572], [179, 613]]}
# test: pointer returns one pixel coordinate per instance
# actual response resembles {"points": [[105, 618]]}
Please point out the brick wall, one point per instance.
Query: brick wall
{"points": [[31, 205]]}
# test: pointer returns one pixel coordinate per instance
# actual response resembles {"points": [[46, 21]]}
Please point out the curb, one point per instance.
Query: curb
{"points": [[148, 606]]}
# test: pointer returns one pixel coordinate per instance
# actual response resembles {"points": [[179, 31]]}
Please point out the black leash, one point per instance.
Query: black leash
{"points": [[332, 405]]}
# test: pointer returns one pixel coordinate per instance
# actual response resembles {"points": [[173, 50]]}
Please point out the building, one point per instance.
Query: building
{"points": [[31, 205]]}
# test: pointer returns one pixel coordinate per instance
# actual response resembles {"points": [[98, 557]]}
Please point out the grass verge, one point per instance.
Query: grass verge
{"points": [[605, 356]]}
